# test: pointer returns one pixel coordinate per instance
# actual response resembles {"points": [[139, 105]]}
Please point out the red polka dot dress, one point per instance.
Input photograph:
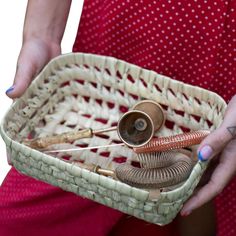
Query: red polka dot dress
{"points": [[192, 41]]}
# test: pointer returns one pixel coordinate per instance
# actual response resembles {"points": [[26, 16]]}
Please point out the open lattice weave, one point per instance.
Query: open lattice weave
{"points": [[77, 91]]}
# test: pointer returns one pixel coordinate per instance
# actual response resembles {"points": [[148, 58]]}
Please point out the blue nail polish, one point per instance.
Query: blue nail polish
{"points": [[205, 153], [200, 158], [10, 89]]}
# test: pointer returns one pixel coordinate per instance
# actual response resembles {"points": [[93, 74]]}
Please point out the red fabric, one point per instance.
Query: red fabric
{"points": [[29, 207], [191, 41]]}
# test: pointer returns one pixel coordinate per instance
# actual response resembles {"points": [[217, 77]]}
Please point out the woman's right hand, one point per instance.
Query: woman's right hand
{"points": [[34, 55], [44, 27]]}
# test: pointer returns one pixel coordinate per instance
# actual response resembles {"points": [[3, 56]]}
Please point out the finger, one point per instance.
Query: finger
{"points": [[231, 108], [229, 122], [32, 58], [24, 75], [218, 139], [208, 173], [213, 144], [219, 179]]}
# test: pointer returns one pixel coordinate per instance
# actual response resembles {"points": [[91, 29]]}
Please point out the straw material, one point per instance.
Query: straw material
{"points": [[76, 91]]}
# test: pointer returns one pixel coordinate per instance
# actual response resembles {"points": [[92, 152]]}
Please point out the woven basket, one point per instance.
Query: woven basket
{"points": [[77, 91]]}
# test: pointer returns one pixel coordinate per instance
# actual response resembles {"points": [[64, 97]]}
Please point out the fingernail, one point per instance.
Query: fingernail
{"points": [[10, 89], [186, 213], [205, 153]]}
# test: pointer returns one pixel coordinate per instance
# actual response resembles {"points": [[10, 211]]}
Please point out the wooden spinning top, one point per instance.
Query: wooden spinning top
{"points": [[137, 127]]}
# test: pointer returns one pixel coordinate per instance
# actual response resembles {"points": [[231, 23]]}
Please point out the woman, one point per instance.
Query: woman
{"points": [[191, 41]]}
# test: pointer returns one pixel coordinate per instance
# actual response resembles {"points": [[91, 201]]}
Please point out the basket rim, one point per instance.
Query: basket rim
{"points": [[195, 91]]}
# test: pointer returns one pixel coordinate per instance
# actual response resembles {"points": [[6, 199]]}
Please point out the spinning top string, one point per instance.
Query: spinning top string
{"points": [[135, 128]]}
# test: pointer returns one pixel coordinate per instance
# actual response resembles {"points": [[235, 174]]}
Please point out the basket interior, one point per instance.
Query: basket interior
{"points": [[77, 92]]}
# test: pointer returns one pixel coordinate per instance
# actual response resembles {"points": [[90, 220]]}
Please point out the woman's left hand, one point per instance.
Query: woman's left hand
{"points": [[222, 143]]}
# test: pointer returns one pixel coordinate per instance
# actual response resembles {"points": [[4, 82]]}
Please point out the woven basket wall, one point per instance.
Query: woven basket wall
{"points": [[76, 91]]}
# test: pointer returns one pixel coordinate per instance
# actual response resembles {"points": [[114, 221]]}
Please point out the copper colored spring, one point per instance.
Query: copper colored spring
{"points": [[174, 170], [156, 159], [173, 142], [178, 171]]}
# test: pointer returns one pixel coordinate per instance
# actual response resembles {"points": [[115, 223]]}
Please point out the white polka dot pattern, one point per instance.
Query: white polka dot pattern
{"points": [[191, 41]]}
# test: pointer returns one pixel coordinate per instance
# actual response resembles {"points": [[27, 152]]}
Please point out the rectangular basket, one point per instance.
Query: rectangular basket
{"points": [[89, 91]]}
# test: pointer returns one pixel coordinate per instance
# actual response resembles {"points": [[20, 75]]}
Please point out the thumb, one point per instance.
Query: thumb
{"points": [[24, 75], [215, 142]]}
